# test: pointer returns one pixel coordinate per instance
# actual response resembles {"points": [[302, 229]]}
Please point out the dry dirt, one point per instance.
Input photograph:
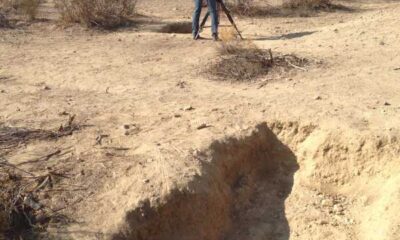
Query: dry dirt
{"points": [[161, 151]]}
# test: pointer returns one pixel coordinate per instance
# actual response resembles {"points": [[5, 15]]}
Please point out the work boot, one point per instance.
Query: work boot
{"points": [[215, 37]]}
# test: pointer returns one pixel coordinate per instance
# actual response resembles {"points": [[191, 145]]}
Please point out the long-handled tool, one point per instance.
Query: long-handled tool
{"points": [[228, 14]]}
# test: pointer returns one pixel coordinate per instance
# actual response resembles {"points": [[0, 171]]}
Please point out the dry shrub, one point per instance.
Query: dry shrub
{"points": [[307, 4], [242, 7], [96, 13], [239, 61], [3, 21], [27, 8], [244, 61]]}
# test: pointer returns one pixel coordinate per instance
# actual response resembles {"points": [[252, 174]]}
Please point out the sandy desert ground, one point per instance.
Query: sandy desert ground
{"points": [[162, 151]]}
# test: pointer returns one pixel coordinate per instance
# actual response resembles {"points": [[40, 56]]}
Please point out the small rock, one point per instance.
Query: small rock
{"points": [[386, 104], [31, 203], [63, 113], [323, 222], [126, 126], [2, 91], [349, 221], [317, 97], [177, 115], [202, 126], [46, 88], [181, 84], [382, 43], [327, 202], [146, 181], [188, 108], [338, 209]]}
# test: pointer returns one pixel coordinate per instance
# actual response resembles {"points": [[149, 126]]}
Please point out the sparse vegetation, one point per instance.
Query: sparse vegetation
{"points": [[96, 13], [307, 4], [242, 7], [303, 8]]}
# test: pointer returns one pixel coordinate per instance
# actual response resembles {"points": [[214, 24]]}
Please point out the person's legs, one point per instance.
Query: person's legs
{"points": [[196, 17], [212, 8]]}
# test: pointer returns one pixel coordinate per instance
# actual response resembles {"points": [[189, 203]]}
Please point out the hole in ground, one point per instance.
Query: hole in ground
{"points": [[175, 27], [243, 186]]}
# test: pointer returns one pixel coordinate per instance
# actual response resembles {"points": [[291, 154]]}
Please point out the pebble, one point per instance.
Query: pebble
{"points": [[188, 108], [338, 209], [386, 104], [317, 97], [2, 91], [327, 202], [46, 88], [201, 126], [323, 222]]}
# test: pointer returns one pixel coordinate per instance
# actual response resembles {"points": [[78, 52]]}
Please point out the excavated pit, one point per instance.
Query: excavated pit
{"points": [[173, 27], [239, 176]]}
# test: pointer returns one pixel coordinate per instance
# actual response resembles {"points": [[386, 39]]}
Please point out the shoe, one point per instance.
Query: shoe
{"points": [[215, 37]]}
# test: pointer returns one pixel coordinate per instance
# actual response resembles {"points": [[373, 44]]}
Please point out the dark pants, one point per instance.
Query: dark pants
{"points": [[212, 8]]}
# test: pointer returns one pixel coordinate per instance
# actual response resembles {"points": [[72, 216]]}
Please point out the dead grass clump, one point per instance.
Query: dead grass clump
{"points": [[97, 13], [11, 137], [16, 218], [238, 61], [22, 212]]}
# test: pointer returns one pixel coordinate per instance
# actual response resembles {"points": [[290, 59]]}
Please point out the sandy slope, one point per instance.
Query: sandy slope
{"points": [[344, 136]]}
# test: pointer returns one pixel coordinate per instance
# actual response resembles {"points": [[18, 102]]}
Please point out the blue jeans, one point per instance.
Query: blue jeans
{"points": [[212, 8]]}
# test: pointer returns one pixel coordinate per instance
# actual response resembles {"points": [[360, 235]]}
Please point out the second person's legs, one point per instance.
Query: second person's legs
{"points": [[196, 17], [212, 8]]}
